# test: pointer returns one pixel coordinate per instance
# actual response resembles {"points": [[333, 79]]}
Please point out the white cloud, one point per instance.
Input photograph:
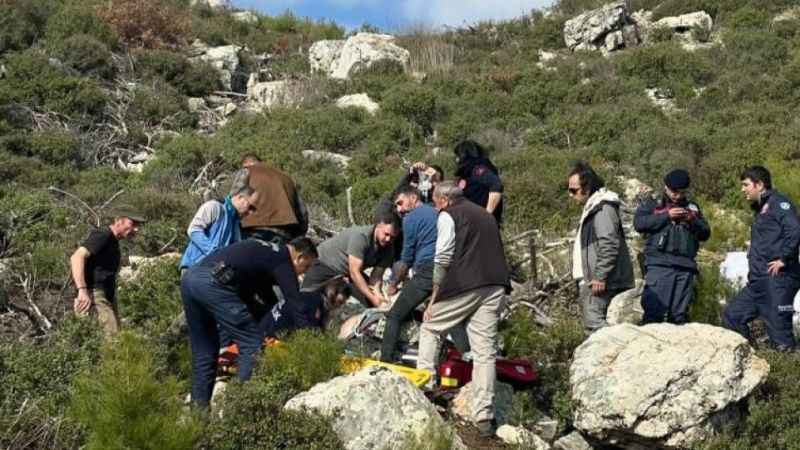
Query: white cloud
{"points": [[459, 12]]}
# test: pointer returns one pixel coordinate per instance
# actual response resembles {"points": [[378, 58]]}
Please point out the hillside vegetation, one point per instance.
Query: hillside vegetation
{"points": [[88, 85]]}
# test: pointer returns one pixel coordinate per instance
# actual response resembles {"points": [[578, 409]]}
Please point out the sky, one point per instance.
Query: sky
{"points": [[394, 15]]}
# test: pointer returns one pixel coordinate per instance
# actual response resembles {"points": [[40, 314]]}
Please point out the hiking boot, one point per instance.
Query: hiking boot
{"points": [[784, 348], [486, 428]]}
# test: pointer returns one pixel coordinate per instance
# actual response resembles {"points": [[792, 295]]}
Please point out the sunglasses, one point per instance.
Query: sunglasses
{"points": [[573, 191]]}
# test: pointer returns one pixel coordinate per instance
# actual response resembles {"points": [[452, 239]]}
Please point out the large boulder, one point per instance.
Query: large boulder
{"points": [[342, 59], [343, 161], [608, 28], [503, 400], [225, 59], [661, 385], [322, 54], [374, 408], [521, 437], [572, 441], [699, 20]]}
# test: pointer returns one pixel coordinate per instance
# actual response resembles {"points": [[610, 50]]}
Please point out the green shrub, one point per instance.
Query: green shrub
{"points": [[710, 289], [253, 414], [16, 32], [33, 217], [150, 302], [55, 146], [44, 372], [79, 17], [551, 350], [160, 103], [749, 17], [87, 55], [32, 80], [123, 405], [193, 79], [663, 64], [417, 104], [755, 49]]}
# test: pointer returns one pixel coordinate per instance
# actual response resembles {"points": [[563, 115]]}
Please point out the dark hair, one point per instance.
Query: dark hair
{"points": [[758, 174], [406, 189], [589, 179], [438, 170], [304, 246], [332, 289], [388, 218], [469, 149]]}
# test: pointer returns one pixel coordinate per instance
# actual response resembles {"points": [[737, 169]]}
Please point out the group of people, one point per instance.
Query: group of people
{"points": [[249, 272], [674, 228]]}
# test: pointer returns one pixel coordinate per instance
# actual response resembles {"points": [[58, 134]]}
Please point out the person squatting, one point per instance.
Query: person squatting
{"points": [[441, 241]]}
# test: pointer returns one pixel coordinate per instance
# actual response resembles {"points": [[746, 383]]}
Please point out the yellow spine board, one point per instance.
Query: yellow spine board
{"points": [[418, 377]]}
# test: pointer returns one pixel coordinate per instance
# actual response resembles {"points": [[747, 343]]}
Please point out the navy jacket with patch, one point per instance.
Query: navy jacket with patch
{"points": [[652, 219], [775, 234]]}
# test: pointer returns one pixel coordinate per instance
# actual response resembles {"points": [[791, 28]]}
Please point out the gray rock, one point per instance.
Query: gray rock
{"points": [[224, 58], [547, 428], [196, 103], [341, 59], [661, 385], [217, 4], [319, 155], [132, 271], [627, 306], [271, 94], [358, 101], [503, 400], [662, 99], [602, 29], [572, 441], [245, 16], [520, 436], [686, 22], [374, 408], [789, 14]]}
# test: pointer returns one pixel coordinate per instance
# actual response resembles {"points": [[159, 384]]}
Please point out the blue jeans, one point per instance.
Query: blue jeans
{"points": [[207, 304]]}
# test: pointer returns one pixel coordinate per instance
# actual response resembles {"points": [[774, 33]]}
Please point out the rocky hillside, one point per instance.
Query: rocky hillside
{"points": [[152, 103]]}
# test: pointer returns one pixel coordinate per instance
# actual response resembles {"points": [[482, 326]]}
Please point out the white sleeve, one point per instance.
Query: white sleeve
{"points": [[208, 213], [445, 240]]}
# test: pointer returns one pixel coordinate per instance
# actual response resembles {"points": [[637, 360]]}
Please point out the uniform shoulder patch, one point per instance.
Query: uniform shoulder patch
{"points": [[785, 205], [479, 170]]}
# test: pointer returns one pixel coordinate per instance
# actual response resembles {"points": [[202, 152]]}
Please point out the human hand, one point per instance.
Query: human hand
{"points": [[598, 287], [418, 166], [774, 267], [677, 214], [426, 316], [82, 302]]}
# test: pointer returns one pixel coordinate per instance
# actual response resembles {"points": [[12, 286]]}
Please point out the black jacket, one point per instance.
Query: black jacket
{"points": [[670, 244], [482, 178], [775, 234]]}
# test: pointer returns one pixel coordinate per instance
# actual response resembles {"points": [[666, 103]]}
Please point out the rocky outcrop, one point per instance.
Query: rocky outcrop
{"points": [[572, 441], [661, 385], [692, 30], [137, 263], [225, 59], [217, 4], [503, 399], [358, 101], [521, 437], [627, 306], [271, 94], [663, 99], [245, 17], [342, 59], [699, 20], [374, 408], [606, 29]]}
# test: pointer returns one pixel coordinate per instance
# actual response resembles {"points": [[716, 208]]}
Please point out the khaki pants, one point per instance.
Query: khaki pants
{"points": [[480, 309], [106, 312]]}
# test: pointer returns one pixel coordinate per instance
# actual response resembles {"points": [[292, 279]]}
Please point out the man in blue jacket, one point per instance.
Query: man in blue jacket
{"points": [[217, 224], [774, 271], [674, 227]]}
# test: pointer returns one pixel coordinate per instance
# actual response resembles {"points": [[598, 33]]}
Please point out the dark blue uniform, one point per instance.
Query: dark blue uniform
{"points": [[670, 253], [774, 235], [481, 178], [286, 316], [217, 295]]}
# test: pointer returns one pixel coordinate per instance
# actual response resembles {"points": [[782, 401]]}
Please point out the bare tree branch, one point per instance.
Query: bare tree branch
{"points": [[75, 197]]}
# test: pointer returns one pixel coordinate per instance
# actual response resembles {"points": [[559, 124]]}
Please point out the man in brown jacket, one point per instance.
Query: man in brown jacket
{"points": [[279, 213]]}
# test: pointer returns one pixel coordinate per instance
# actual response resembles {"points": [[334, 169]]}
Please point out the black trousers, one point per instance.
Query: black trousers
{"points": [[668, 292], [415, 291]]}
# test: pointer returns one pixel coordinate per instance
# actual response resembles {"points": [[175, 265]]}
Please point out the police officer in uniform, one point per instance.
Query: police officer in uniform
{"points": [[674, 227], [774, 270]]}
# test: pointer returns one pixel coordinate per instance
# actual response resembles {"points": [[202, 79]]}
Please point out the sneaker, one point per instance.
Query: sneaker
{"points": [[486, 428]]}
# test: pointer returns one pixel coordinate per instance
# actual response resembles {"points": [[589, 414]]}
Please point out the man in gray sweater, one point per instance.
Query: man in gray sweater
{"points": [[601, 263]]}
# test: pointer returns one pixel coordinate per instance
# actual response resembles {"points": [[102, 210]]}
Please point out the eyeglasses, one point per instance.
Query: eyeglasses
{"points": [[573, 191], [251, 208]]}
